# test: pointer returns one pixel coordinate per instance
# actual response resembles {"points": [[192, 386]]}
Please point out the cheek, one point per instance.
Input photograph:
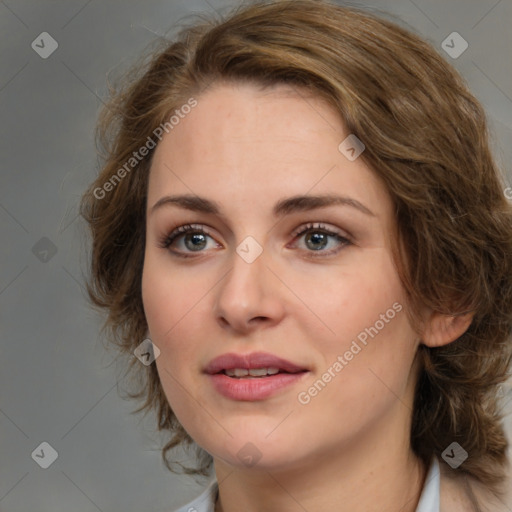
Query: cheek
{"points": [[156, 300], [371, 381], [163, 310], [174, 304], [169, 309], [356, 299], [371, 334], [166, 295]]}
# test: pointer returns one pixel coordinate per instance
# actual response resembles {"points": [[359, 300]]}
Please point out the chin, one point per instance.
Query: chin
{"points": [[254, 450]]}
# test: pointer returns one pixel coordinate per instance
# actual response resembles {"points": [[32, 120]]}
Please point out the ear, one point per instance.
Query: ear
{"points": [[442, 329]]}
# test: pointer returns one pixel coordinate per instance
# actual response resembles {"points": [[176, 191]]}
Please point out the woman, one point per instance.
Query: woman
{"points": [[299, 209]]}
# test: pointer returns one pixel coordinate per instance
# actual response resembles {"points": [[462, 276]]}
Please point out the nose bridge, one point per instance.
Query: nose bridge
{"points": [[243, 284], [247, 291], [247, 262]]}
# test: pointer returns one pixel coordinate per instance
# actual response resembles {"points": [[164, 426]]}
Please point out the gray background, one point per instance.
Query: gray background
{"points": [[57, 383]]}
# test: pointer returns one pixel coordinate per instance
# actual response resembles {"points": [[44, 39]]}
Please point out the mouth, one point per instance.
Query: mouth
{"points": [[253, 373], [256, 365], [252, 377]]}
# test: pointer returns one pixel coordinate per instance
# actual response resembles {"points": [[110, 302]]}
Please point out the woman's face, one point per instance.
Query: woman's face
{"points": [[303, 280]]}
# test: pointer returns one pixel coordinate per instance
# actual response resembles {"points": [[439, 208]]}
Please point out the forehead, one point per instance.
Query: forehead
{"points": [[261, 144]]}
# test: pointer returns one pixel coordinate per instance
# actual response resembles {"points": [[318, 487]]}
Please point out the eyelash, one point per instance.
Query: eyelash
{"points": [[167, 240]]}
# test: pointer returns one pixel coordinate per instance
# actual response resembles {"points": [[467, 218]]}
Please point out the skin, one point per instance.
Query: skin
{"points": [[348, 448]]}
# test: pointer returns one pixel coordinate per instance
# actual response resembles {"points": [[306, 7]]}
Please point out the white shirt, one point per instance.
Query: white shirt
{"points": [[429, 499]]}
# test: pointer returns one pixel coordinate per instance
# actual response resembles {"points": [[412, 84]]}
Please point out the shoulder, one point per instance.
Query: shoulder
{"points": [[466, 494]]}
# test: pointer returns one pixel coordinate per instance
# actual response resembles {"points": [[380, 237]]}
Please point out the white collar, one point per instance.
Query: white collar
{"points": [[205, 502], [430, 496]]}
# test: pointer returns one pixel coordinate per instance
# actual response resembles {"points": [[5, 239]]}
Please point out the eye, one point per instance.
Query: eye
{"points": [[193, 236], [317, 239], [195, 239]]}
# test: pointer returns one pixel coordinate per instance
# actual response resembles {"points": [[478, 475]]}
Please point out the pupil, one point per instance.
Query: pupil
{"points": [[196, 237], [316, 238]]}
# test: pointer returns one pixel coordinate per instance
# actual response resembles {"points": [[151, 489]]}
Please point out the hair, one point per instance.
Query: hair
{"points": [[426, 138]]}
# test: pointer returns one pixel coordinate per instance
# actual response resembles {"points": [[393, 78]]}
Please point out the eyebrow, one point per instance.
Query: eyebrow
{"points": [[286, 206]]}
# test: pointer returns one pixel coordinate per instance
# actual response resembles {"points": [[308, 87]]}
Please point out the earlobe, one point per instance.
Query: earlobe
{"points": [[442, 329]]}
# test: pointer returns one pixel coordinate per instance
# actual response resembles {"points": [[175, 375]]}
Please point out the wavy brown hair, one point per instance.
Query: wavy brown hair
{"points": [[426, 137]]}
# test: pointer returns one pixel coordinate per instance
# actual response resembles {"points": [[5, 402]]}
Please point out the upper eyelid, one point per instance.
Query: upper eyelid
{"points": [[320, 226]]}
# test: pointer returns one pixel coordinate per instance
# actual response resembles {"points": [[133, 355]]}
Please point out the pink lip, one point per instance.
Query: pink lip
{"points": [[257, 388], [250, 361]]}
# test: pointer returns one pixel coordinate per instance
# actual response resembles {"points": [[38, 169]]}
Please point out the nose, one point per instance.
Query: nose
{"points": [[249, 296]]}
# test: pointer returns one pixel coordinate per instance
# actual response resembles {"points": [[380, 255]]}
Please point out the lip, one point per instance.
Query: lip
{"points": [[250, 361], [257, 388]]}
